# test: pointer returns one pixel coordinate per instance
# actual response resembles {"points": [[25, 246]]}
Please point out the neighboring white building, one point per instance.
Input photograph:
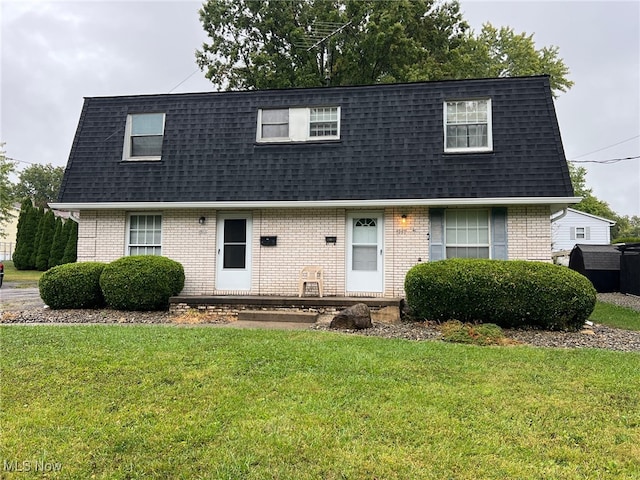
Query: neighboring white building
{"points": [[579, 227]]}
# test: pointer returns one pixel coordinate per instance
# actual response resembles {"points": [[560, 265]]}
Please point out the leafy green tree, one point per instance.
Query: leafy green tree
{"points": [[27, 226], [627, 227], [590, 203], [70, 251], [41, 183], [59, 244], [48, 227], [7, 167], [260, 44], [504, 53]]}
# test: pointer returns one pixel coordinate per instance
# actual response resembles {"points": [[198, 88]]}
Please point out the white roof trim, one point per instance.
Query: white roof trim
{"points": [[611, 222], [555, 202]]}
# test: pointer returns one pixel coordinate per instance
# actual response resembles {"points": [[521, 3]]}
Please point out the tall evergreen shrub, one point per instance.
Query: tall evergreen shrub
{"points": [[27, 226], [39, 215], [46, 240], [70, 250], [59, 244]]}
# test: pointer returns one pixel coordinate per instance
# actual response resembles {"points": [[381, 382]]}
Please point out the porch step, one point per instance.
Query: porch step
{"points": [[276, 316]]}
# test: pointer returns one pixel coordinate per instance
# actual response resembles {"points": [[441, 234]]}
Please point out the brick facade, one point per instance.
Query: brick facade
{"points": [[529, 231], [301, 241]]}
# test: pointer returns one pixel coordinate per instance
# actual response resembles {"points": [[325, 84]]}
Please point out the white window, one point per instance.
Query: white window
{"points": [[323, 122], [580, 233], [467, 126], [143, 138], [145, 234], [299, 124], [275, 124], [467, 233]]}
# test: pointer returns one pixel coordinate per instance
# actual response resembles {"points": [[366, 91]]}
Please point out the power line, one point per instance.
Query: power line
{"points": [[605, 162], [20, 161], [608, 146], [187, 78]]}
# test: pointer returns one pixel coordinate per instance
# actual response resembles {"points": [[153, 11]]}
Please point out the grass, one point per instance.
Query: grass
{"points": [[616, 316], [20, 277], [182, 402]]}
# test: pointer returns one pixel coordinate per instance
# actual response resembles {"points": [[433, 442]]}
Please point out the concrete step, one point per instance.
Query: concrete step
{"points": [[276, 316]]}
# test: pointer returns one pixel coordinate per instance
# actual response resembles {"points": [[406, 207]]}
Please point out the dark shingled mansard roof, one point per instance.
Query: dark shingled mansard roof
{"points": [[391, 147]]}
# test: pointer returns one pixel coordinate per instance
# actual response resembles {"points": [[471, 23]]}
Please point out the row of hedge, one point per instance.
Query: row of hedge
{"points": [[509, 293], [43, 240], [143, 282]]}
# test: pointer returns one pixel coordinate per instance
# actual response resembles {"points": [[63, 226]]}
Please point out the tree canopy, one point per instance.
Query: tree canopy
{"points": [[41, 183], [626, 226], [260, 44]]}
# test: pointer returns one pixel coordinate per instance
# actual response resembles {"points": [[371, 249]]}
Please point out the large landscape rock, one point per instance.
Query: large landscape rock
{"points": [[355, 317]]}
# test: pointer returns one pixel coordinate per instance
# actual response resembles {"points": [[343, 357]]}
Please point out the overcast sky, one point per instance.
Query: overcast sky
{"points": [[54, 53]]}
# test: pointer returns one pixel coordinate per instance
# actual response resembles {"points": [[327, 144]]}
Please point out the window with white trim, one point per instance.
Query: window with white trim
{"points": [[143, 137], [323, 122], [467, 126], [145, 234], [467, 233], [275, 123], [580, 233], [298, 124]]}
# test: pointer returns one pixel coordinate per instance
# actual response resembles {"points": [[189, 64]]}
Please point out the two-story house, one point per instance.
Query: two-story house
{"points": [[246, 188]]}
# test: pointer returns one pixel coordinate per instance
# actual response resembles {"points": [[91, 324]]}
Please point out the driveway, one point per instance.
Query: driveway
{"points": [[15, 297]]}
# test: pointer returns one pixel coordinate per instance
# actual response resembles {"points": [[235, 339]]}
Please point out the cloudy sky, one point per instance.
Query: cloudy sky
{"points": [[54, 53]]}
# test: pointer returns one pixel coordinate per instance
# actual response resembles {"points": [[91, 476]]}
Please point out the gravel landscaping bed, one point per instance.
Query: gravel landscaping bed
{"points": [[596, 336]]}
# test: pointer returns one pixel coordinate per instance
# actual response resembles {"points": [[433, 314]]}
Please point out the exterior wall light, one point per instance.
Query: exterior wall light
{"points": [[404, 219], [202, 220]]}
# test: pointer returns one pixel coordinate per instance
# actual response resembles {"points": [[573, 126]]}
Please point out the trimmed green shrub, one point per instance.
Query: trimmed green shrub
{"points": [[509, 293], [141, 282], [75, 285]]}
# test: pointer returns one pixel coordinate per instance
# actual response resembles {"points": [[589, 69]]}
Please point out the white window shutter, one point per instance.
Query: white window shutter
{"points": [[572, 233], [587, 233]]}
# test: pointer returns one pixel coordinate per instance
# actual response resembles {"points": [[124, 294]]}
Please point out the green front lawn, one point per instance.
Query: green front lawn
{"points": [[21, 277], [615, 316], [181, 402]]}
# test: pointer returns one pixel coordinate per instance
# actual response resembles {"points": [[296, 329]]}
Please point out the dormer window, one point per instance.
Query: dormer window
{"points": [[143, 138], [467, 126], [275, 123], [298, 124], [323, 122]]}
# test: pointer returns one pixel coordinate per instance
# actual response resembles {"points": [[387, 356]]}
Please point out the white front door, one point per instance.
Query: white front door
{"points": [[234, 252], [364, 252]]}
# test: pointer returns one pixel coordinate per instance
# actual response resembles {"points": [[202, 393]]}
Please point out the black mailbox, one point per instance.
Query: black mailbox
{"points": [[330, 239], [268, 241]]}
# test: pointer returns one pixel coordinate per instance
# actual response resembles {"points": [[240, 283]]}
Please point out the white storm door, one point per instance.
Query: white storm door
{"points": [[234, 252], [364, 252]]}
